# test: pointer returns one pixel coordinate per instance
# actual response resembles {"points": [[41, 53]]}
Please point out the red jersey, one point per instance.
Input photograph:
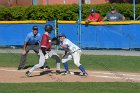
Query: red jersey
{"points": [[46, 42], [96, 16]]}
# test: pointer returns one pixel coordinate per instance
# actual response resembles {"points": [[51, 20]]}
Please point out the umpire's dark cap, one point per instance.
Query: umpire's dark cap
{"points": [[35, 28]]}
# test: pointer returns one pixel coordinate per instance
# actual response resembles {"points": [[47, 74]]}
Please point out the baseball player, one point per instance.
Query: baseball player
{"points": [[45, 51], [31, 42], [71, 52]]}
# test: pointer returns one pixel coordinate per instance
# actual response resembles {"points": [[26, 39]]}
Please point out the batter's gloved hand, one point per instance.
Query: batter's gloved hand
{"points": [[55, 41]]}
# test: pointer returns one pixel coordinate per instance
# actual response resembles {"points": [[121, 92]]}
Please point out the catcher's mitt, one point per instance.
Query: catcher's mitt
{"points": [[55, 41]]}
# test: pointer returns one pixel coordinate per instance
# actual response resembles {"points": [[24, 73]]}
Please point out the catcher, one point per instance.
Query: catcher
{"points": [[55, 41]]}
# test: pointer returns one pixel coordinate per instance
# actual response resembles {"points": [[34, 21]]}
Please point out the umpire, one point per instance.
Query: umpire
{"points": [[31, 42]]}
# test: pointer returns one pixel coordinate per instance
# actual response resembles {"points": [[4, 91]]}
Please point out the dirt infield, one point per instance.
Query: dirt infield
{"points": [[12, 75]]}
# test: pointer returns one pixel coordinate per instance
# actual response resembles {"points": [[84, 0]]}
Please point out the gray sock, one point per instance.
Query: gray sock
{"points": [[57, 66]]}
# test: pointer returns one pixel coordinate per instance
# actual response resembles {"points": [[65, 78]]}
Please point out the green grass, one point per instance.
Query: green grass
{"points": [[112, 63], [90, 62], [12, 60], [77, 87]]}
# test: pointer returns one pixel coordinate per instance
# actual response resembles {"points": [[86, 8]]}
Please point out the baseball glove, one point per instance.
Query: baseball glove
{"points": [[55, 41]]}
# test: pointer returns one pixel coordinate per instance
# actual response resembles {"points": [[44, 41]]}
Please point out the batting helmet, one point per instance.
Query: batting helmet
{"points": [[48, 28]]}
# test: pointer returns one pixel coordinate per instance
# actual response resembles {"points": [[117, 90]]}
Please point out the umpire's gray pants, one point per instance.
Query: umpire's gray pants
{"points": [[35, 48]]}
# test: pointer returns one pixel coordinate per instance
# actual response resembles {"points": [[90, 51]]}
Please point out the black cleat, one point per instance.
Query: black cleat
{"points": [[66, 73], [20, 68], [46, 67], [28, 74], [84, 74], [58, 72]]}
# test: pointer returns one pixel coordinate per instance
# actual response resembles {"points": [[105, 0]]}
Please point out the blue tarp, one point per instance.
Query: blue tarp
{"points": [[105, 36], [92, 36], [14, 34]]}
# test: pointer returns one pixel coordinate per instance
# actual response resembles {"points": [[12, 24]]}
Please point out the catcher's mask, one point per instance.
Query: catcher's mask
{"points": [[48, 28], [55, 41]]}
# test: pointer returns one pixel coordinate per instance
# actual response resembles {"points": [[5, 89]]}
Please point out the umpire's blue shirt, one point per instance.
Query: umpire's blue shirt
{"points": [[33, 40]]}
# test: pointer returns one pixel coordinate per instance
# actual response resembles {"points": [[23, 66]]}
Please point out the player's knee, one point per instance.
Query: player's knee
{"points": [[40, 65], [64, 60], [23, 55], [77, 64]]}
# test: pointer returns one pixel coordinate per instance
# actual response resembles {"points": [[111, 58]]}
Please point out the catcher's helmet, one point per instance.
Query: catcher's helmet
{"points": [[92, 10], [35, 28], [48, 28]]}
